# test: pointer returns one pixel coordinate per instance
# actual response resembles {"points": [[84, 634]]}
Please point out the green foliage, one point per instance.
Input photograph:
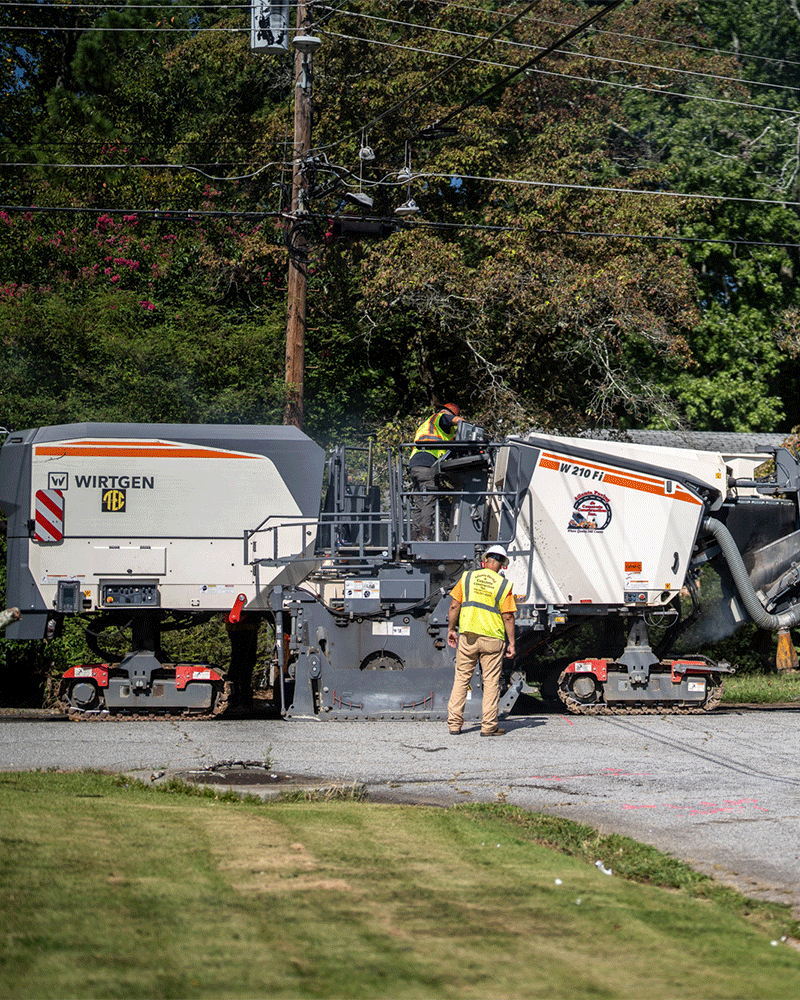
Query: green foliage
{"points": [[112, 336], [731, 142], [542, 327]]}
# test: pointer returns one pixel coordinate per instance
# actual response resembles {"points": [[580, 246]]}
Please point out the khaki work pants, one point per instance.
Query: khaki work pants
{"points": [[472, 648]]}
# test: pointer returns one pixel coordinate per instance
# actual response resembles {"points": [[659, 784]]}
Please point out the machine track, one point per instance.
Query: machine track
{"points": [[577, 707], [104, 715]]}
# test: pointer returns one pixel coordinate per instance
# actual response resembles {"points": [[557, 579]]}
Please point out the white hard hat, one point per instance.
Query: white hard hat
{"points": [[496, 552]]}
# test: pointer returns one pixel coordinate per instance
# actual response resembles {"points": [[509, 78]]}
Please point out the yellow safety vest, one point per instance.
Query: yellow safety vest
{"points": [[484, 593], [431, 432]]}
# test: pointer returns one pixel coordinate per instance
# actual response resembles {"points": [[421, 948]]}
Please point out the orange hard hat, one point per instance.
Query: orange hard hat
{"points": [[453, 408]]}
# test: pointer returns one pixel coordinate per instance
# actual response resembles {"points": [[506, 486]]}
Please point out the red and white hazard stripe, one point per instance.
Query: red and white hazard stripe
{"points": [[49, 517]]}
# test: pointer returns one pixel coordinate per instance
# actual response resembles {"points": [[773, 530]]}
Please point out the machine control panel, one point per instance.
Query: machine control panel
{"points": [[126, 594]]}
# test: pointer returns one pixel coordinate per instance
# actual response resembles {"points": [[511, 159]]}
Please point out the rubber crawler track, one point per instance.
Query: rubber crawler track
{"points": [[650, 708], [101, 715]]}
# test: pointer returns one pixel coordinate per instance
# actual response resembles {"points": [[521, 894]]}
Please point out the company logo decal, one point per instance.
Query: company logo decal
{"points": [[115, 482], [590, 512], [57, 480], [113, 501]]}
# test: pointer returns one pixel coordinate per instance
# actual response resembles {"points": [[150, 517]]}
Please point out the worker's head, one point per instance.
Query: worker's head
{"points": [[497, 554], [453, 408]]}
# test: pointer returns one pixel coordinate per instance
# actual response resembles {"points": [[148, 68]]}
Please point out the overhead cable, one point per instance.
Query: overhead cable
{"points": [[39, 5], [145, 166], [449, 69], [611, 190], [522, 182], [576, 53], [171, 214], [531, 62], [184, 215], [637, 38], [614, 84]]}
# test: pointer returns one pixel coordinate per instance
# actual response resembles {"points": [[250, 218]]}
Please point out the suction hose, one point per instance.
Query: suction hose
{"points": [[754, 607]]}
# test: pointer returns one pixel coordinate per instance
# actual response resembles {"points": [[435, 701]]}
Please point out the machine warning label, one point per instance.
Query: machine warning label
{"points": [[388, 628], [635, 581], [112, 501], [590, 512]]}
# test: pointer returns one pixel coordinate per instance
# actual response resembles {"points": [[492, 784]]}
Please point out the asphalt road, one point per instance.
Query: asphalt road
{"points": [[720, 791]]}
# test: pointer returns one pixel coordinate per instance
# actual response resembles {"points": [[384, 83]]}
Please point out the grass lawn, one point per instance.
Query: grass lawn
{"points": [[113, 889], [762, 689]]}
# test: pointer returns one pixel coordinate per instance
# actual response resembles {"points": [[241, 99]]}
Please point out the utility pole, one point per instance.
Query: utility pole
{"points": [[304, 45]]}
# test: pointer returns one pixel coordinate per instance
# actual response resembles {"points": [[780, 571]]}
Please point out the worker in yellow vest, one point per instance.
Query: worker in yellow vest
{"points": [[483, 608], [434, 432]]}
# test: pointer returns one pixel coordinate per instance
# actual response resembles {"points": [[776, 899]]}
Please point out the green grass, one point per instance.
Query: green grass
{"points": [[117, 889], [762, 689]]}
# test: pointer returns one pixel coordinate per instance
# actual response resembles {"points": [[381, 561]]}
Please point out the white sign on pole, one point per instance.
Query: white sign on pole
{"points": [[269, 26]]}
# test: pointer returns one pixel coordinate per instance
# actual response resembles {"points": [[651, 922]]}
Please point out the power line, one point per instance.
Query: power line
{"points": [[576, 53], [614, 84], [104, 6], [611, 190], [146, 166], [638, 38], [690, 47], [448, 69], [188, 215], [528, 66], [608, 7], [645, 237], [237, 8], [171, 29], [167, 214], [470, 57], [449, 176]]}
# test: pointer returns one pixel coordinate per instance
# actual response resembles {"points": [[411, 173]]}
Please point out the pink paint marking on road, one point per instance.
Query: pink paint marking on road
{"points": [[705, 808]]}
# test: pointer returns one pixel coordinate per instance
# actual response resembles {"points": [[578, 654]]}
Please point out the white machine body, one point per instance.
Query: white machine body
{"points": [[163, 517], [609, 522]]}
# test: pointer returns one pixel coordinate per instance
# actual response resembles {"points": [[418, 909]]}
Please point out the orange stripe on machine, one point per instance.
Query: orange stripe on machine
{"points": [[134, 449], [613, 477]]}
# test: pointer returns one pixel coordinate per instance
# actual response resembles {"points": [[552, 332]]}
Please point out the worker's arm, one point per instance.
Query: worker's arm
{"points": [[452, 621], [508, 621], [448, 420]]}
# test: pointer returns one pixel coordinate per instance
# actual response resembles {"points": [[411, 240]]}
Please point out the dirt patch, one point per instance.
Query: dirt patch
{"points": [[253, 850]]}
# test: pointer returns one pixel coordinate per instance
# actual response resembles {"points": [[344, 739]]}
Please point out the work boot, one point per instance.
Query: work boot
{"points": [[495, 732]]}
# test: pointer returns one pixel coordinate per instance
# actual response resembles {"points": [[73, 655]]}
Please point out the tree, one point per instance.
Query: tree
{"points": [[524, 277]]}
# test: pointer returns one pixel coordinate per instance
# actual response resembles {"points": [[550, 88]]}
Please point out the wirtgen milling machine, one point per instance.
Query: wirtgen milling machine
{"points": [[152, 527]]}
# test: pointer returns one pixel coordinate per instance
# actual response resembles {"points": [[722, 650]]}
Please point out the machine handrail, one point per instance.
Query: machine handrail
{"points": [[361, 529]]}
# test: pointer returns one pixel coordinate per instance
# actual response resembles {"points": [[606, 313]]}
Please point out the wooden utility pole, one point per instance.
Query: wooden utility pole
{"points": [[298, 271]]}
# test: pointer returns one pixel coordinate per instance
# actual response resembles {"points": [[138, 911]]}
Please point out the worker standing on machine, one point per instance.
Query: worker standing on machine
{"points": [[483, 607], [423, 467]]}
